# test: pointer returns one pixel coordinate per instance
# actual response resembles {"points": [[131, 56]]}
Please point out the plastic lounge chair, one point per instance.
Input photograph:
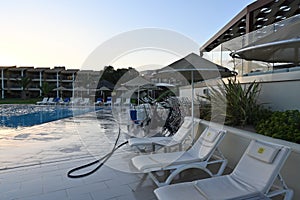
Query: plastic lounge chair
{"points": [[177, 139], [50, 100], [44, 101], [54, 101], [203, 153], [66, 101], [99, 101], [117, 102], [127, 102], [108, 101], [75, 101], [252, 178], [85, 102]]}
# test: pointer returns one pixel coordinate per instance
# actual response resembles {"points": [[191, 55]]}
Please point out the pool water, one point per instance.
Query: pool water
{"points": [[29, 115]]}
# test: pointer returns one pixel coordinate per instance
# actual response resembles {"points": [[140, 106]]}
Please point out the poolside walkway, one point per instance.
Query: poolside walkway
{"points": [[34, 162]]}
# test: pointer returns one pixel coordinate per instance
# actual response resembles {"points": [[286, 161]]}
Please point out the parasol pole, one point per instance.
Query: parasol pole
{"points": [[138, 95], [192, 81]]}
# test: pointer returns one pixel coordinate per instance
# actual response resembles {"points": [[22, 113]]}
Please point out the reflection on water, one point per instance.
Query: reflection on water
{"points": [[29, 115]]}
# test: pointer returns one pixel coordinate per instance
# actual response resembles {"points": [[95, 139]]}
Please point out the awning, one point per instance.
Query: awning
{"points": [[282, 45]]}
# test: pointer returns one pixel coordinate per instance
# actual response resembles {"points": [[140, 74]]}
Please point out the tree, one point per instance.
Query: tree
{"points": [[24, 83], [46, 88], [114, 76]]}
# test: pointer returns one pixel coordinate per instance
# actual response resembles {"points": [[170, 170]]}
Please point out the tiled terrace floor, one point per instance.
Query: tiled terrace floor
{"points": [[34, 162], [49, 182]]}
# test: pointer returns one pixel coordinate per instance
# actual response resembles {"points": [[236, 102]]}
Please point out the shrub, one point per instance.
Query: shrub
{"points": [[282, 125], [235, 102]]}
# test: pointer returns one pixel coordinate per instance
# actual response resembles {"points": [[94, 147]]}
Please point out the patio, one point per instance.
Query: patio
{"points": [[34, 162]]}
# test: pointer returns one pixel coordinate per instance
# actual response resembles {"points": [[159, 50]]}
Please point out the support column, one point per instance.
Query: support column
{"points": [[41, 83], [2, 83], [57, 85], [73, 80], [22, 74]]}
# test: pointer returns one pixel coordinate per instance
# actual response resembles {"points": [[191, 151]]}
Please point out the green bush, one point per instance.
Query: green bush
{"points": [[234, 102], [282, 125]]}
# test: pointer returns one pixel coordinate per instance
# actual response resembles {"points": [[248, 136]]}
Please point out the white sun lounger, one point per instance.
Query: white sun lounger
{"points": [[117, 102], [75, 101], [50, 101], [167, 142], [203, 153], [127, 102], [252, 178], [44, 101], [85, 102], [108, 101]]}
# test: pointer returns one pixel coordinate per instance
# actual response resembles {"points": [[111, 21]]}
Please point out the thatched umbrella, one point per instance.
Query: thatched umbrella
{"points": [[137, 82], [195, 68], [60, 89]]}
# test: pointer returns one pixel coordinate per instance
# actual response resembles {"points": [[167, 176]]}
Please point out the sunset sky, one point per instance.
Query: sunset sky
{"points": [[47, 33]]}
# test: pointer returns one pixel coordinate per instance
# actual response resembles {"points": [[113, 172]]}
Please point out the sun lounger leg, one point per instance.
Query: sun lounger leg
{"points": [[140, 183], [282, 189], [156, 181], [174, 173]]}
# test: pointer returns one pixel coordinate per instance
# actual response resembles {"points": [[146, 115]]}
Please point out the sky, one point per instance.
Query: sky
{"points": [[47, 33]]}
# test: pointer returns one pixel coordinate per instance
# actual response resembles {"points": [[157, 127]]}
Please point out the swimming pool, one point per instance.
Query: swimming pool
{"points": [[29, 115]]}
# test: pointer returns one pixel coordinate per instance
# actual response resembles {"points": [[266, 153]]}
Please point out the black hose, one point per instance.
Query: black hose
{"points": [[105, 158]]}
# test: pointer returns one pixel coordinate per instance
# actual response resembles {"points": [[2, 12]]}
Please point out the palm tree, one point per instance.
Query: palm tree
{"points": [[24, 83], [46, 88]]}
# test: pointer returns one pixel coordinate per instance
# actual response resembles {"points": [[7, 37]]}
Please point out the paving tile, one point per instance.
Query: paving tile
{"points": [[53, 183], [123, 179], [31, 187], [112, 192], [86, 196], [86, 188], [58, 195]]}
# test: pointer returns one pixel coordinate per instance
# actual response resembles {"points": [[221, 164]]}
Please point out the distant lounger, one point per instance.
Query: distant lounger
{"points": [[55, 101], [66, 101], [108, 101], [75, 101], [176, 140], [50, 101], [43, 102], [127, 102], [99, 101], [202, 154], [117, 102], [85, 102], [252, 178]]}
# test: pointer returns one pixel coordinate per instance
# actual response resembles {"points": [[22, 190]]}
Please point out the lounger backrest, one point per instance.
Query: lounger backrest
{"points": [[185, 129], [50, 99], [260, 164], [207, 142], [108, 99], [127, 101]]}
